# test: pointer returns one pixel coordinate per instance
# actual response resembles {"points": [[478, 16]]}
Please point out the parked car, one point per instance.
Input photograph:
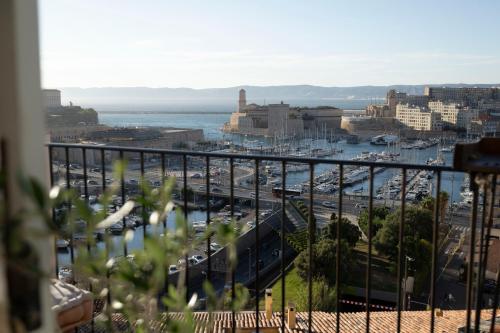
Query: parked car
{"points": [[265, 213], [198, 257], [172, 269], [214, 247], [328, 204]]}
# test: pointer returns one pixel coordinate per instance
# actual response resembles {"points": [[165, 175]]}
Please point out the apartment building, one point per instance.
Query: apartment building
{"points": [[453, 114], [418, 117], [470, 96]]}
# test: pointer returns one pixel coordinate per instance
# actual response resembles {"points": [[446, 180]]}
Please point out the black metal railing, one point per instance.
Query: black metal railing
{"points": [[60, 153]]}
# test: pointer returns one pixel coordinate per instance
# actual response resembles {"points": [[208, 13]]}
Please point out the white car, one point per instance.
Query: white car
{"points": [[215, 247], [193, 261], [328, 204], [197, 257], [172, 269], [265, 213]]}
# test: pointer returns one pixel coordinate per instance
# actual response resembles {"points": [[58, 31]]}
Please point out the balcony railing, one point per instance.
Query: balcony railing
{"points": [[154, 164]]}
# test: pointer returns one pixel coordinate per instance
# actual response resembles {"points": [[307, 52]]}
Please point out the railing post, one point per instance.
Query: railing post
{"points": [[435, 237], [470, 263], [257, 247], [369, 260], [185, 199], [122, 183], [400, 250], [338, 253], [311, 241], [283, 235]]}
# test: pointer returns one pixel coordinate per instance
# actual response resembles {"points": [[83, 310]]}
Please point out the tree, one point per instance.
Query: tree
{"points": [[428, 203], [379, 215], [418, 226], [387, 238], [416, 241], [323, 297], [324, 260], [348, 231]]}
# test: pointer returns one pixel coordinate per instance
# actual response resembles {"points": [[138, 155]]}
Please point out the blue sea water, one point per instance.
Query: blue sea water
{"points": [[210, 123]]}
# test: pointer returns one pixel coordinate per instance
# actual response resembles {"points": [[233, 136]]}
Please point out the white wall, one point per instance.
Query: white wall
{"points": [[22, 125]]}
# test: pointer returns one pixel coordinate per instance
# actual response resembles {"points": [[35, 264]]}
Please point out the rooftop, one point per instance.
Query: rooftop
{"points": [[324, 322]]}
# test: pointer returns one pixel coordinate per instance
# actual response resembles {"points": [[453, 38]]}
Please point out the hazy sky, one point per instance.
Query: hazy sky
{"points": [[216, 43]]}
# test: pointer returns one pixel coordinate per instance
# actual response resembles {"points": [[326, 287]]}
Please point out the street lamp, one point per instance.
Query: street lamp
{"points": [[405, 300]]}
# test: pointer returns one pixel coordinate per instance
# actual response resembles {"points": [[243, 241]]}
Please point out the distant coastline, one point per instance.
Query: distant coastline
{"points": [[163, 112]]}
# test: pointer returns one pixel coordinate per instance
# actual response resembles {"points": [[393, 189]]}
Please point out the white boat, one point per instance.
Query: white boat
{"points": [[384, 140], [296, 167], [449, 149], [199, 225]]}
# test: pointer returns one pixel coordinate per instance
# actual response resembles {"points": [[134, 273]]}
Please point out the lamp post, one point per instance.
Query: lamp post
{"points": [[405, 299]]}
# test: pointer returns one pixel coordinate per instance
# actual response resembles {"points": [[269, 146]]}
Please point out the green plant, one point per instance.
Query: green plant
{"points": [[348, 231], [323, 297], [324, 260], [379, 215], [136, 282]]}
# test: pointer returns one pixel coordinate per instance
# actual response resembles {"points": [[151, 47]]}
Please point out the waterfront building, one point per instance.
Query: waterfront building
{"points": [[66, 116], [468, 95], [51, 98], [378, 110], [366, 127], [453, 114], [281, 119], [418, 117], [393, 98]]}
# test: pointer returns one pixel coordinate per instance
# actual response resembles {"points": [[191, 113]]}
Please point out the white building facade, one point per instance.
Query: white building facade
{"points": [[453, 114], [418, 118]]}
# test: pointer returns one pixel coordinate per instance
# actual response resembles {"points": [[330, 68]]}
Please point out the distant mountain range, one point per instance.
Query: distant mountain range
{"points": [[294, 94]]}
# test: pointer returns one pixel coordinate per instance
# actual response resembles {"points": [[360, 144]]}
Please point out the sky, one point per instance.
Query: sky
{"points": [[223, 43]]}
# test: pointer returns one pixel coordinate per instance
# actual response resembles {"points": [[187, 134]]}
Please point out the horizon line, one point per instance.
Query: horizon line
{"points": [[493, 85]]}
